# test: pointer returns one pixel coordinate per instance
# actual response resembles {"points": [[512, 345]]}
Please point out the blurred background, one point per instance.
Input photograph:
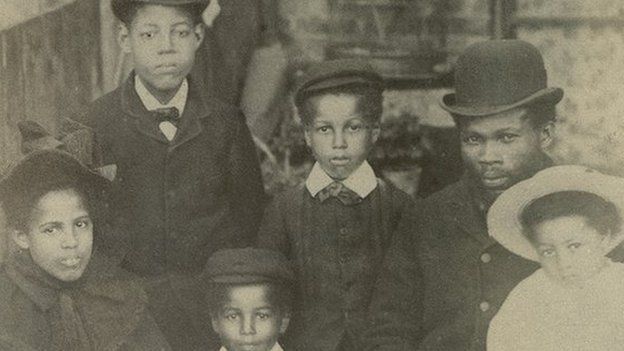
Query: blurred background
{"points": [[58, 55]]}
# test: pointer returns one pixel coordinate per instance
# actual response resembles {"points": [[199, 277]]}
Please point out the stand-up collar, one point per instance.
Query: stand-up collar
{"points": [[151, 103], [362, 181]]}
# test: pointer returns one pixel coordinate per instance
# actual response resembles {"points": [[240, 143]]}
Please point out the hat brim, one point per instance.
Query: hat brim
{"points": [[504, 216], [241, 279], [551, 95], [120, 6]]}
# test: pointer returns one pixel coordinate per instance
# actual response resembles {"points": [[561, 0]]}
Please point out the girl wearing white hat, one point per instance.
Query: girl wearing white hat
{"points": [[567, 218]]}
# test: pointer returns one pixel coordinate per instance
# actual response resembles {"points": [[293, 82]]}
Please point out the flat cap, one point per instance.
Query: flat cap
{"points": [[248, 265], [337, 73], [120, 7]]}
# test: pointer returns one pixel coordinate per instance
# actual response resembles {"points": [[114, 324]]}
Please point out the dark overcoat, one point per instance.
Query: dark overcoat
{"points": [[178, 201], [111, 305], [336, 251], [444, 278]]}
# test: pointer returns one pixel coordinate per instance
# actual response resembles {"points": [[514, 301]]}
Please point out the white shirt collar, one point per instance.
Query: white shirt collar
{"points": [[362, 181], [275, 347], [151, 103]]}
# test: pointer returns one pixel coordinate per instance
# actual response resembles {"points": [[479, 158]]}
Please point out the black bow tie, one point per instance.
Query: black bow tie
{"points": [[168, 114]]}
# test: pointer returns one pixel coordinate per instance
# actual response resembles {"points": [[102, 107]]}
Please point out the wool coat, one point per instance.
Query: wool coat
{"points": [[444, 278], [177, 202], [336, 251], [110, 303]]}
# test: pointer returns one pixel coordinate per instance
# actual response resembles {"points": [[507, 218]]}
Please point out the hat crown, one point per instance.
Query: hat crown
{"points": [[498, 72], [248, 265]]}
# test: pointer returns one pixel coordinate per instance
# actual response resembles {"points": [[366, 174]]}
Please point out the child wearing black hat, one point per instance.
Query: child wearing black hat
{"points": [[186, 179], [337, 225], [57, 292], [249, 298]]}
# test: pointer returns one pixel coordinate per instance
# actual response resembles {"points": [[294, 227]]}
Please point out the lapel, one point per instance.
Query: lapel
{"points": [[143, 121], [461, 209]]}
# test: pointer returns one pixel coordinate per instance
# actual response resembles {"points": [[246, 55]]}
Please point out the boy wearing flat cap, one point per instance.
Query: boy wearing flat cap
{"points": [[444, 278], [249, 297], [337, 225], [186, 180]]}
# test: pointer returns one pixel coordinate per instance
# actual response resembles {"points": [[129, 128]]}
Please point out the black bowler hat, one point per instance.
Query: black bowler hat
{"points": [[248, 266], [337, 73], [120, 7], [498, 75], [45, 169]]}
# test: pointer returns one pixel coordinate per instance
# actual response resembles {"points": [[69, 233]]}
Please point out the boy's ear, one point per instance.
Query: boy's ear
{"points": [[547, 134], [213, 322], [285, 322], [376, 131], [123, 38], [199, 32], [306, 135], [20, 238]]}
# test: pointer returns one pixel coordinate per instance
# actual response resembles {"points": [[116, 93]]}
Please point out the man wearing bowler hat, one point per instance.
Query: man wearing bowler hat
{"points": [[444, 278]]}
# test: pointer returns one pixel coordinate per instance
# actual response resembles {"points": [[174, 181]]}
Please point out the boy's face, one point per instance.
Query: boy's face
{"points": [[569, 249], [502, 149], [162, 41], [248, 321], [59, 236], [340, 138]]}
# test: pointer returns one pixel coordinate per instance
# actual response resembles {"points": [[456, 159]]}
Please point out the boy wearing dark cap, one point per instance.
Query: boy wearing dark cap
{"points": [[249, 298], [186, 176], [336, 226]]}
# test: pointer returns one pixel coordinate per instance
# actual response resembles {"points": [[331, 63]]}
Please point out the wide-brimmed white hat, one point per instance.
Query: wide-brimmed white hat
{"points": [[504, 216]]}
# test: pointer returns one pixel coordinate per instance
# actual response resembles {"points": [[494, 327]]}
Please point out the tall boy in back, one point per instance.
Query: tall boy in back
{"points": [[336, 226], [185, 173]]}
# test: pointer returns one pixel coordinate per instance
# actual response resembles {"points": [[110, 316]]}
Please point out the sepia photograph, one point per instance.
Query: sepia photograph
{"points": [[311, 175]]}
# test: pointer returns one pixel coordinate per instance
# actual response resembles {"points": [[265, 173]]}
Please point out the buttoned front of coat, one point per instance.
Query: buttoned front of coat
{"points": [[444, 278], [179, 201]]}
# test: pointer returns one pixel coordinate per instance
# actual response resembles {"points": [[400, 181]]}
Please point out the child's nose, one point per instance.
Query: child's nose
{"points": [[248, 326], [339, 141], [166, 44], [69, 238]]}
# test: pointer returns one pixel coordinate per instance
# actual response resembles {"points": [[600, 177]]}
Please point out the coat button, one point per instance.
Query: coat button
{"points": [[486, 258], [484, 306], [343, 231]]}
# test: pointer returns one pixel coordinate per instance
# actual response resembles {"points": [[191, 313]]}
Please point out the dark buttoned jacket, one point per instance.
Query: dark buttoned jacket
{"points": [[177, 202], [443, 278], [336, 252]]}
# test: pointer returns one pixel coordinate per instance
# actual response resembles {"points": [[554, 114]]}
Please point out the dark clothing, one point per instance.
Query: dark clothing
{"points": [[103, 310], [183, 200], [336, 251], [444, 278], [179, 201]]}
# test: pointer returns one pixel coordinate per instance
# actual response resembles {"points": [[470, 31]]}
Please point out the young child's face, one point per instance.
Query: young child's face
{"points": [[248, 321], [570, 250], [340, 138], [59, 236], [162, 41]]}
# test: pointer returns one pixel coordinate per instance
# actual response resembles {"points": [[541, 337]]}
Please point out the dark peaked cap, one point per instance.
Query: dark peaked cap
{"points": [[248, 265], [498, 75], [120, 7], [337, 73]]}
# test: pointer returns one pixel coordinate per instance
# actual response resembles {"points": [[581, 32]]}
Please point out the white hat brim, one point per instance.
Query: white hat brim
{"points": [[504, 216]]}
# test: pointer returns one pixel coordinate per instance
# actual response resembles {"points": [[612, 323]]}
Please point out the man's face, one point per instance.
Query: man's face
{"points": [[340, 137], [503, 149], [162, 41]]}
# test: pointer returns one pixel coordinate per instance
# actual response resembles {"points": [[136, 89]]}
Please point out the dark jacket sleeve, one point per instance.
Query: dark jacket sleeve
{"points": [[147, 336], [246, 187], [273, 232], [397, 303]]}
